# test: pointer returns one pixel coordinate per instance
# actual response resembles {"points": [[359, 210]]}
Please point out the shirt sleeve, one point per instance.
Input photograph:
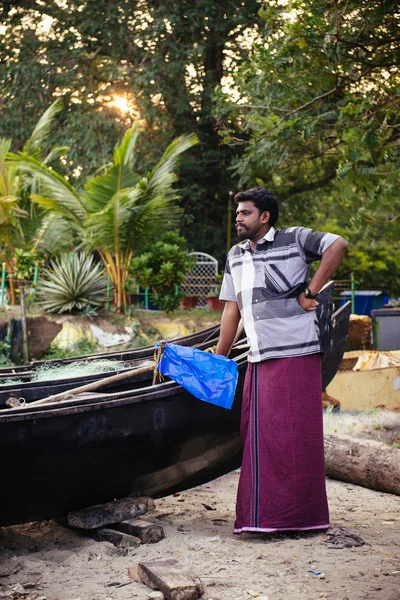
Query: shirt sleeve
{"points": [[312, 244], [227, 292]]}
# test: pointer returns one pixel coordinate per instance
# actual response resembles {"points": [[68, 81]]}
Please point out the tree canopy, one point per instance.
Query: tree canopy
{"points": [[318, 118], [118, 211], [113, 62], [302, 97]]}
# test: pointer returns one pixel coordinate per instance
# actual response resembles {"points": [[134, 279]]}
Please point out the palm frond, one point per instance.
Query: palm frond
{"points": [[55, 235], [99, 190], [162, 176], [124, 152], [108, 227], [34, 146], [53, 187], [53, 206], [10, 202], [5, 145], [55, 153], [7, 176], [147, 221], [8, 199], [58, 236]]}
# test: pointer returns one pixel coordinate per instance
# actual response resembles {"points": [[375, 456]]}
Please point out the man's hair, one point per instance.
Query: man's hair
{"points": [[263, 200]]}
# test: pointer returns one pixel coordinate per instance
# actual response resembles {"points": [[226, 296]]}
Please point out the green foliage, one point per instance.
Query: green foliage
{"points": [[119, 210], [25, 262], [318, 119], [21, 225], [81, 347], [72, 283], [89, 311], [4, 354], [163, 58], [320, 104], [11, 213], [125, 209], [162, 269], [376, 267]]}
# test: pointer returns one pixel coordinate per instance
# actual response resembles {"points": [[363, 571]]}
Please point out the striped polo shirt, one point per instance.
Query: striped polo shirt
{"points": [[266, 282]]}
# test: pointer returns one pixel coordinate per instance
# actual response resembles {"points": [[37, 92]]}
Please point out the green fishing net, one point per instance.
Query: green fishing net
{"points": [[81, 368], [11, 381]]}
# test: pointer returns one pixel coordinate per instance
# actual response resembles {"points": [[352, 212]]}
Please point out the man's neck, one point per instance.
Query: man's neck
{"points": [[255, 241]]}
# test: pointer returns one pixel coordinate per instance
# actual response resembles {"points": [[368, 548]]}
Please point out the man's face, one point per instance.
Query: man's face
{"points": [[250, 224]]}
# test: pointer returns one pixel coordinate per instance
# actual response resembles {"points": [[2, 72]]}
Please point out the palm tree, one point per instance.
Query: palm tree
{"points": [[15, 190], [118, 209], [11, 234]]}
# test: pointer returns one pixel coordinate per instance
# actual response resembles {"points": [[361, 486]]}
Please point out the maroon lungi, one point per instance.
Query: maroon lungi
{"points": [[282, 480]]}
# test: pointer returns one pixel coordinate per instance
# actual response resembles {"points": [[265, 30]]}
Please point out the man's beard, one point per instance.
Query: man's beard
{"points": [[243, 234]]}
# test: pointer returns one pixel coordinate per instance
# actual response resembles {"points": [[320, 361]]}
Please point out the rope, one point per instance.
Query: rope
{"points": [[158, 352]]}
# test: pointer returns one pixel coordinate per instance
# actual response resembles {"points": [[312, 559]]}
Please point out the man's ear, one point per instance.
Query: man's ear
{"points": [[265, 216]]}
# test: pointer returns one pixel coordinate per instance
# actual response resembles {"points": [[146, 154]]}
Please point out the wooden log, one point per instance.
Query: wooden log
{"points": [[173, 581], [110, 512], [368, 463], [148, 533], [117, 538]]}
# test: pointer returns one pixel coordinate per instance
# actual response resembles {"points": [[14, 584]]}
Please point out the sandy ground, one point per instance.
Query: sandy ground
{"points": [[51, 562]]}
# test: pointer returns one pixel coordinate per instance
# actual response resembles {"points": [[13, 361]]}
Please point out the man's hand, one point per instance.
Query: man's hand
{"points": [[307, 303]]}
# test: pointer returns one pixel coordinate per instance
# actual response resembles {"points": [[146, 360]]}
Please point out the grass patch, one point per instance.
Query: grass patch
{"points": [[80, 348]]}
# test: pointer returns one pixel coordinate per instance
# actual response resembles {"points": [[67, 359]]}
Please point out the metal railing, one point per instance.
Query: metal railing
{"points": [[17, 282]]}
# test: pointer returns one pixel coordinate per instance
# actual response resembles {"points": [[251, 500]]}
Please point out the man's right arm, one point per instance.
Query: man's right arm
{"points": [[229, 324]]}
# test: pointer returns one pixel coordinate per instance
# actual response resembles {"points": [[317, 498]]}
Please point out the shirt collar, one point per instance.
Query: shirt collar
{"points": [[268, 237]]}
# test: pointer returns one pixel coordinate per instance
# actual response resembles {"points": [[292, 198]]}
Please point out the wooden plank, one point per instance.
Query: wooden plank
{"points": [[100, 515], [171, 579], [147, 532], [118, 538]]}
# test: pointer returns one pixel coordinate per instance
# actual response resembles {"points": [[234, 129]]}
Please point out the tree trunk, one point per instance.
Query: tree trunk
{"points": [[368, 463]]}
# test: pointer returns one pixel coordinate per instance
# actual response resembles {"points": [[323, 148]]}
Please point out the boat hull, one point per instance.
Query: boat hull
{"points": [[155, 443]]}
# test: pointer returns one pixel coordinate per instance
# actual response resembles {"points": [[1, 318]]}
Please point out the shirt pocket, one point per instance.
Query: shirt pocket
{"points": [[275, 280]]}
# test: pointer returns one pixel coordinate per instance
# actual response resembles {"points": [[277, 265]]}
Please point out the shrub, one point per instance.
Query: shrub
{"points": [[25, 262], [73, 283], [162, 269]]}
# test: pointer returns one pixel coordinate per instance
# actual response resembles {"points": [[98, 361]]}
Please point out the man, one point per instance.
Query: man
{"points": [[282, 480]]}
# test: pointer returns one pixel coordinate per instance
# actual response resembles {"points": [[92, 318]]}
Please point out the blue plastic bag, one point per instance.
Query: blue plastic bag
{"points": [[209, 377]]}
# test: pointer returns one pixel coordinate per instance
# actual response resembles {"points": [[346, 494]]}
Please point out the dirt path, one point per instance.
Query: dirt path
{"points": [[54, 563]]}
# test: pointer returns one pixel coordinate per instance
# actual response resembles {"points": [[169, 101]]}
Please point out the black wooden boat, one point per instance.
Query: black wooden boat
{"points": [[152, 440], [28, 391], [192, 339]]}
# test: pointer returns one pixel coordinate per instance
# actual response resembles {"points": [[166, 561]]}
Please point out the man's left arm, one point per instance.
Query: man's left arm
{"points": [[330, 261]]}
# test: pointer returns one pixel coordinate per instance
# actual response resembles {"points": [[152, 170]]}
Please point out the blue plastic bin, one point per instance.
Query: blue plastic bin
{"points": [[364, 300]]}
